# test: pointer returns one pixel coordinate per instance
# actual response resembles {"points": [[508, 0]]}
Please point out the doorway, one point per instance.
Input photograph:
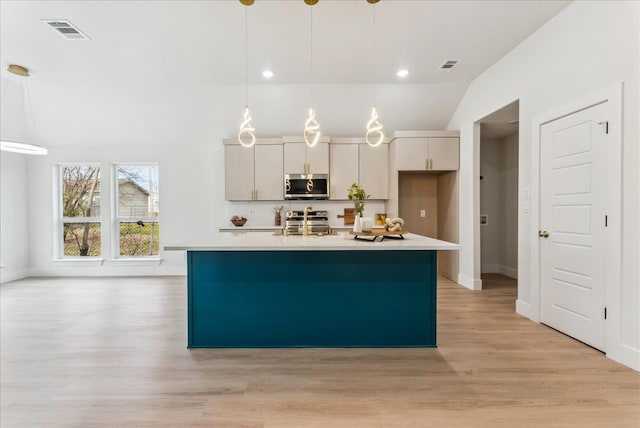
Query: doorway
{"points": [[428, 203], [499, 147]]}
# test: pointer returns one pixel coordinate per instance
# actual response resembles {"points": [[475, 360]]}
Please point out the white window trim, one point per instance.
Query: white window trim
{"points": [[59, 220], [116, 220]]}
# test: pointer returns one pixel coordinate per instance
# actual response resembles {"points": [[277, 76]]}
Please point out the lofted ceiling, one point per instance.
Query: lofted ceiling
{"points": [[157, 71]]}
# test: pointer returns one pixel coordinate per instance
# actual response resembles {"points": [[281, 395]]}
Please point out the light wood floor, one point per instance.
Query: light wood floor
{"points": [[111, 353]]}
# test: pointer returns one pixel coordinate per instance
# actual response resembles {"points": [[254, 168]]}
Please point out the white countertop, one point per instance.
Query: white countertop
{"points": [[267, 241]]}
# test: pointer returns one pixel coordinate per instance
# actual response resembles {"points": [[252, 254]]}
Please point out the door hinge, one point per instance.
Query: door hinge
{"points": [[605, 125], [606, 221], [605, 313]]}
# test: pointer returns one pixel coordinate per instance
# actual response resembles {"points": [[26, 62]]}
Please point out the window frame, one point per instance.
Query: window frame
{"points": [[60, 220], [116, 219]]}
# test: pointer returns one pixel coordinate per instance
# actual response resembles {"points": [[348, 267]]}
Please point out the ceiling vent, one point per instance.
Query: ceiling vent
{"points": [[66, 29], [448, 65]]}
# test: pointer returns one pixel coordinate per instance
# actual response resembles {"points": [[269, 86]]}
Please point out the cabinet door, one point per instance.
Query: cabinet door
{"points": [[344, 170], [318, 158], [411, 154], [295, 158], [238, 173], [374, 170], [444, 154], [269, 176]]}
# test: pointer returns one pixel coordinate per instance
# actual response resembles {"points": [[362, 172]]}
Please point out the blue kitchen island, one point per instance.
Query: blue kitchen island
{"points": [[253, 290]]}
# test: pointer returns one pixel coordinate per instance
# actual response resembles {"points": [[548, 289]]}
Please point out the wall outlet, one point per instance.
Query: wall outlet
{"points": [[423, 213]]}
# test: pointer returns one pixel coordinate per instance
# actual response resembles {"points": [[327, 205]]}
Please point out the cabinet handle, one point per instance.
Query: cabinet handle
{"points": [[426, 164], [256, 198], [430, 163]]}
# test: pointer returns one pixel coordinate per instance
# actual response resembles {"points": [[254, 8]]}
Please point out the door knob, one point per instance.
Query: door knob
{"points": [[543, 234]]}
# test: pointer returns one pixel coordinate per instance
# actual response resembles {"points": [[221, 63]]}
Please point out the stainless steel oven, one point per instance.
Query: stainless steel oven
{"points": [[306, 186]]}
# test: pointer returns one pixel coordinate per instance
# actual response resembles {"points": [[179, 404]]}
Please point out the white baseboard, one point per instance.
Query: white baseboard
{"points": [[490, 268], [525, 309], [470, 283], [7, 275], [626, 355], [508, 271]]}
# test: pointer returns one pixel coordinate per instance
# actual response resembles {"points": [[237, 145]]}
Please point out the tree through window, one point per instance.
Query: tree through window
{"points": [[81, 210]]}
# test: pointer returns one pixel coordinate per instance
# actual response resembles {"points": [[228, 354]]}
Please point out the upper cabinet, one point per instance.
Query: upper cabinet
{"points": [[300, 158], [427, 153], [254, 173], [354, 161], [374, 170]]}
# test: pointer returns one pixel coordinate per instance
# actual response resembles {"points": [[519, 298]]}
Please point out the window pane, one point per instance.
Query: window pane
{"points": [[82, 239], [137, 191], [81, 191], [139, 238]]}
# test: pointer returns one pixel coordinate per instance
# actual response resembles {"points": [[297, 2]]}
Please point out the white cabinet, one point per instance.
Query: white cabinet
{"points": [[253, 173], [427, 154], [359, 163], [374, 170], [344, 170], [300, 158]]}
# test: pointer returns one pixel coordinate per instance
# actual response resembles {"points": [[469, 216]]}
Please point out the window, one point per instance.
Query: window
{"points": [[136, 220], [80, 210]]}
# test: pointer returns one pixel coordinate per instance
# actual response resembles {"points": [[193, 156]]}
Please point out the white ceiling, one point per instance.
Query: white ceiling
{"points": [[159, 70]]}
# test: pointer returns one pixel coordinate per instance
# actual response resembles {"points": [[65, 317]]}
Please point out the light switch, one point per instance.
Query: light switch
{"points": [[525, 193], [525, 206], [423, 213]]}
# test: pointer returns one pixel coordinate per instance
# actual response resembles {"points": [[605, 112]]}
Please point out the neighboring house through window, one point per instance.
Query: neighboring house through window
{"points": [[137, 223], [134, 221]]}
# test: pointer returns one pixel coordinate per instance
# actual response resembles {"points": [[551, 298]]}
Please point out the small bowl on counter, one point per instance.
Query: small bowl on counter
{"points": [[238, 221]]}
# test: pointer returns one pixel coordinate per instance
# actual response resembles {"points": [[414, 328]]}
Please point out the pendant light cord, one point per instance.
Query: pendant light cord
{"points": [[246, 57], [311, 54], [373, 53]]}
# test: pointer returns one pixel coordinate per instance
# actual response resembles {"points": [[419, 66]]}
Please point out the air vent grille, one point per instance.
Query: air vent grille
{"points": [[66, 29], [448, 65]]}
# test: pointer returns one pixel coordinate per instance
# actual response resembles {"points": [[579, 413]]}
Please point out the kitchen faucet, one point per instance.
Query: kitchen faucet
{"points": [[305, 222]]}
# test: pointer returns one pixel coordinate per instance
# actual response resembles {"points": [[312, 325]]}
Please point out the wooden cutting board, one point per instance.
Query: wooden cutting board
{"points": [[380, 232], [348, 216]]}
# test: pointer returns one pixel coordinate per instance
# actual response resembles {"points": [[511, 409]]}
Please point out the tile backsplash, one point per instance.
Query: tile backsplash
{"points": [[260, 213]]}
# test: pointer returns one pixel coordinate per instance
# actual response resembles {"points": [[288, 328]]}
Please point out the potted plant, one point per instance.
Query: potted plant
{"points": [[358, 196]]}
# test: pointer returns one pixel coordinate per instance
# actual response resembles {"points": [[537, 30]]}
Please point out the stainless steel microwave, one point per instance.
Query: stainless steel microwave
{"points": [[306, 186]]}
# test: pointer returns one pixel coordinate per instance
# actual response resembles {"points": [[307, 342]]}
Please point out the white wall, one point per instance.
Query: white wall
{"points": [[14, 230], [192, 205], [509, 206], [499, 201], [586, 47], [490, 197]]}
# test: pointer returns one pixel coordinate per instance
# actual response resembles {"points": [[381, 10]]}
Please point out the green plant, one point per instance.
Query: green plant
{"points": [[358, 195]]}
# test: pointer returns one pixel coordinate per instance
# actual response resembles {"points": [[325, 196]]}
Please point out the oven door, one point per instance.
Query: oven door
{"points": [[306, 186]]}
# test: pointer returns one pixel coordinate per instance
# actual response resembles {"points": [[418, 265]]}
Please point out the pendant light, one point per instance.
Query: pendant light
{"points": [[17, 146], [374, 135], [311, 125], [246, 136]]}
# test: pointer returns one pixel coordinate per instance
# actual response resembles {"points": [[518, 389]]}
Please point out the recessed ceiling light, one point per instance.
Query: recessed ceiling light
{"points": [[402, 73], [267, 74]]}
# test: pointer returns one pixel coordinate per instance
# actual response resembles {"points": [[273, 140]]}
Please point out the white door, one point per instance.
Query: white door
{"points": [[572, 213]]}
